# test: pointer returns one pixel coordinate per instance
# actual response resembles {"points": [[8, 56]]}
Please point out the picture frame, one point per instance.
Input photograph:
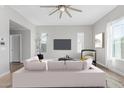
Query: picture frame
{"points": [[99, 40]]}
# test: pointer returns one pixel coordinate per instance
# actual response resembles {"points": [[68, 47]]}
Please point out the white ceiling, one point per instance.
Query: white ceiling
{"points": [[39, 16]]}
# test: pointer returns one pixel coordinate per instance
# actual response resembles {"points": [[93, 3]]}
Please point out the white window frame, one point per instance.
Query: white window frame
{"points": [[109, 41], [80, 41]]}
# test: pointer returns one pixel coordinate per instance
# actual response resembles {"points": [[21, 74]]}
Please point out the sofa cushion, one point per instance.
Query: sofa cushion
{"points": [[61, 65], [87, 63], [35, 65], [74, 65], [55, 65], [33, 58]]}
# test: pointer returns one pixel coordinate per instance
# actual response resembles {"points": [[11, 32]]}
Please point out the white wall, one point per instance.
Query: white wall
{"points": [[7, 14], [65, 32], [101, 26], [4, 33], [16, 17]]}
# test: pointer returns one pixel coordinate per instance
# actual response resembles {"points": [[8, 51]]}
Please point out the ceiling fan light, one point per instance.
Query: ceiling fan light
{"points": [[62, 9]]}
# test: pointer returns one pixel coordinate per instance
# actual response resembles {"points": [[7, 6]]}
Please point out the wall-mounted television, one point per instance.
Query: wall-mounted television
{"points": [[62, 44]]}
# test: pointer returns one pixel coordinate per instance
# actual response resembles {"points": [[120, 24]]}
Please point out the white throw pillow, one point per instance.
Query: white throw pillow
{"points": [[35, 65], [87, 63]]}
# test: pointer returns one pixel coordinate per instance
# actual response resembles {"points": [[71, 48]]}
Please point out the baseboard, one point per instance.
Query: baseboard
{"points": [[102, 65], [4, 74]]}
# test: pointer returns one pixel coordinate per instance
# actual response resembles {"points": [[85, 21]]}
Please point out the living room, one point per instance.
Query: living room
{"points": [[85, 27]]}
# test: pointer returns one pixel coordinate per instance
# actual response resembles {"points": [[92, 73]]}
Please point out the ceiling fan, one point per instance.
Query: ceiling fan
{"points": [[62, 9]]}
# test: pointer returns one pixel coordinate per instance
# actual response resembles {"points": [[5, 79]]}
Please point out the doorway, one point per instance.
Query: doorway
{"points": [[20, 45], [15, 48]]}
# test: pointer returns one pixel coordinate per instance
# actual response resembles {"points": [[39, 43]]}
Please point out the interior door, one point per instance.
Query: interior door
{"points": [[15, 48]]}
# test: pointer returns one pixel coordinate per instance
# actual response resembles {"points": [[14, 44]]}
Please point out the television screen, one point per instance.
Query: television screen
{"points": [[62, 44]]}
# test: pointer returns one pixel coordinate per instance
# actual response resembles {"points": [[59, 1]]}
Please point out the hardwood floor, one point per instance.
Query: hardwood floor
{"points": [[6, 81], [113, 79]]}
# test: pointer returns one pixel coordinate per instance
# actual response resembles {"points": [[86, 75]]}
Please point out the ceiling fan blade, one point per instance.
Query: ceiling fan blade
{"points": [[75, 9], [68, 13], [53, 12], [60, 15], [49, 6]]}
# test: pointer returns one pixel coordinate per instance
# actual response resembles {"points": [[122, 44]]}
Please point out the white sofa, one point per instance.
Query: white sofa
{"points": [[59, 75]]}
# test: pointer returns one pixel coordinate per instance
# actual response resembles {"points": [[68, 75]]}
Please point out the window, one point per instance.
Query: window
{"points": [[41, 43], [117, 39], [80, 42], [43, 39]]}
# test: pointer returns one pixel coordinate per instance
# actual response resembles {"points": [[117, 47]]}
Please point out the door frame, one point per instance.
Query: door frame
{"points": [[20, 45]]}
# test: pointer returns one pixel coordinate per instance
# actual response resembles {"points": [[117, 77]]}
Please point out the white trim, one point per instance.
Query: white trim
{"points": [[9, 48], [5, 73], [101, 65], [115, 58], [20, 48]]}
